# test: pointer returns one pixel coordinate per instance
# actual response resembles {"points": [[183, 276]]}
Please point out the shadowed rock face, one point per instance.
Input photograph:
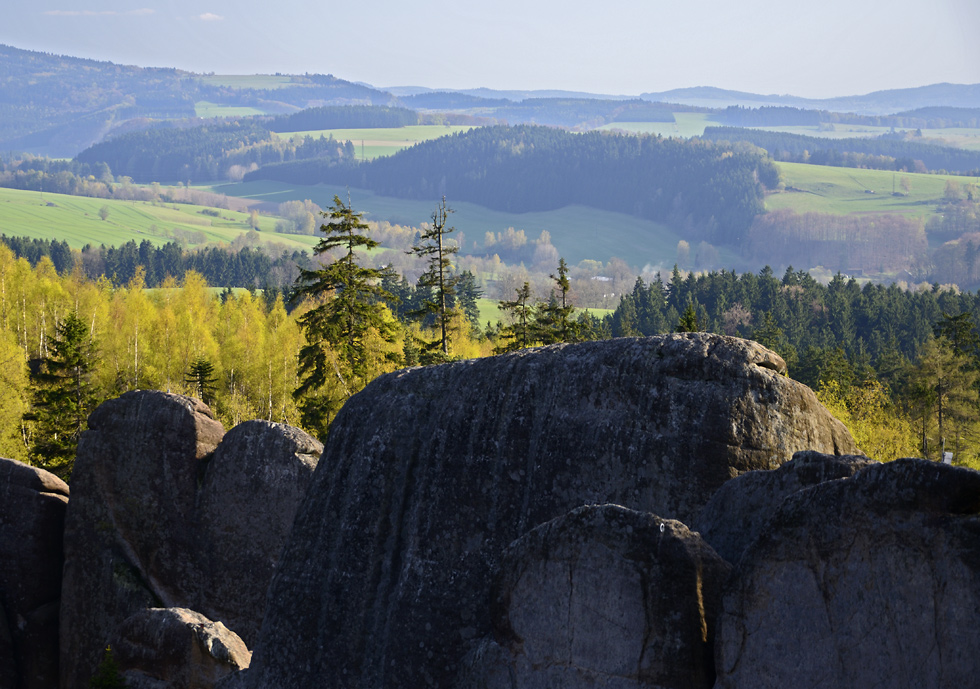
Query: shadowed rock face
{"points": [[603, 596], [738, 512], [430, 473], [32, 515], [163, 516], [864, 582]]}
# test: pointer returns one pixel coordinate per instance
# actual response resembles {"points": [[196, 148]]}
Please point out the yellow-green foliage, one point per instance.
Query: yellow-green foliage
{"points": [[878, 427], [146, 340]]}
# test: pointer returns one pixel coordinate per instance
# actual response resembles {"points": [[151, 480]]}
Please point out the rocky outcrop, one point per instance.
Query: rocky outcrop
{"points": [[163, 516], [603, 596], [252, 488], [32, 514], [429, 474], [176, 648], [738, 512], [864, 582]]}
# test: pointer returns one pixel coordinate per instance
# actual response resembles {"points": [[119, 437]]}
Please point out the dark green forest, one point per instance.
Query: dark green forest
{"points": [[711, 190]]}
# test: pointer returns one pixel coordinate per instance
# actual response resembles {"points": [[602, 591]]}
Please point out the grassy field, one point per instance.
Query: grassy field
{"points": [[205, 109], [576, 231], [843, 191], [75, 219], [686, 125], [251, 81], [372, 143]]}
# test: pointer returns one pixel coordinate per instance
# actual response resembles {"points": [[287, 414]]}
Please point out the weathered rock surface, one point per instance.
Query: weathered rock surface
{"points": [[32, 516], [429, 474], [738, 512], [603, 596], [162, 516], [252, 488], [872, 581], [176, 648]]}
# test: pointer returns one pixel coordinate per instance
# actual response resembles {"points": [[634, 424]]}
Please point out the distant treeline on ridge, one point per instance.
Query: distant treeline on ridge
{"points": [[711, 190]]}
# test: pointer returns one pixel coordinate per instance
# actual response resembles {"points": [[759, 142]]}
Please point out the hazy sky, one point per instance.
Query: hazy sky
{"points": [[815, 49]]}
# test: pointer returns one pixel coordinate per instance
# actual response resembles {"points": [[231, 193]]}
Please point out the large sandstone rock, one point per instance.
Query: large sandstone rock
{"points": [[252, 488], [429, 474], [162, 516], [32, 516], [603, 596], [176, 648], [872, 581], [738, 512]]}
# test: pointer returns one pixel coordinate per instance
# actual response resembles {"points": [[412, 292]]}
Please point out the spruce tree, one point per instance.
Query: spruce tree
{"points": [[349, 307], [201, 376], [554, 322], [519, 333], [63, 396], [437, 282]]}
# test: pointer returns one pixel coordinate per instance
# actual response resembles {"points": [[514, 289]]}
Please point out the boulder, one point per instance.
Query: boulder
{"points": [[603, 596], [869, 581], [162, 515], [176, 648], [32, 516], [252, 488], [429, 474], [738, 512]]}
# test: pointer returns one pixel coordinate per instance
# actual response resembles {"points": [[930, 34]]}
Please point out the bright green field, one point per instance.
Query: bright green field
{"points": [[842, 191], [372, 143], [686, 125], [576, 231], [205, 109], [490, 311], [75, 219]]}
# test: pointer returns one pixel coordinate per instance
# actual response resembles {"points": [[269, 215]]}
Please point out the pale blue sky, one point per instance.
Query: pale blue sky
{"points": [[819, 49]]}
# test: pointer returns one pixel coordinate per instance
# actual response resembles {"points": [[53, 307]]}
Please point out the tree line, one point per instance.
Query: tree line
{"points": [[895, 153], [939, 117]]}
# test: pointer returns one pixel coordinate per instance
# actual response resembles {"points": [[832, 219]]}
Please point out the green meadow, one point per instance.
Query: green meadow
{"points": [[373, 143], [203, 108], [842, 190], [684, 126], [577, 232], [76, 219], [252, 81]]}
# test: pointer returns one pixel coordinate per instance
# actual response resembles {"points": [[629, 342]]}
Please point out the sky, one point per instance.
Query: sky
{"points": [[615, 47]]}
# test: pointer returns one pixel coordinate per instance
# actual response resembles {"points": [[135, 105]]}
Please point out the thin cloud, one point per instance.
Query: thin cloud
{"points": [[210, 17], [104, 13]]}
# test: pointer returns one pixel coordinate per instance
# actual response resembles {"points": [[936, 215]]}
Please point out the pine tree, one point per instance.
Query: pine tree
{"points": [[63, 396], [519, 333], [201, 376], [348, 316], [554, 322], [437, 281], [688, 322]]}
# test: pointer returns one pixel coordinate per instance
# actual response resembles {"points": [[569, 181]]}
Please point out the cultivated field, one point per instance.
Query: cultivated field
{"points": [[75, 219], [684, 126], [373, 143], [252, 81], [842, 190]]}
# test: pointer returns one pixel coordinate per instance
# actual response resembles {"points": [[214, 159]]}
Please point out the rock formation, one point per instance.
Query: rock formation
{"points": [[162, 516], [32, 515], [862, 582], [429, 474], [603, 596], [176, 648], [738, 512]]}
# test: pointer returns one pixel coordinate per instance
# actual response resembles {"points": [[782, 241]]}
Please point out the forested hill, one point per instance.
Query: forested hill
{"points": [[902, 153], [707, 189]]}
